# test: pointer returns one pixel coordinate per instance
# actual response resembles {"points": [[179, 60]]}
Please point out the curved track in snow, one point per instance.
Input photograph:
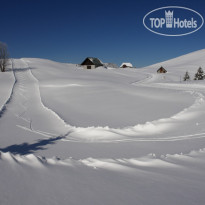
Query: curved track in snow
{"points": [[44, 160], [3, 107], [25, 112], [31, 119], [190, 118], [157, 130]]}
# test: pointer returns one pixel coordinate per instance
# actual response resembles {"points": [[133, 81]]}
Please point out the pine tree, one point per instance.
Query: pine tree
{"points": [[199, 75], [186, 76]]}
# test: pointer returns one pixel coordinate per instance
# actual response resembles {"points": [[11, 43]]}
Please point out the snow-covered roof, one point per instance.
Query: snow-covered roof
{"points": [[127, 65], [111, 65], [95, 60]]}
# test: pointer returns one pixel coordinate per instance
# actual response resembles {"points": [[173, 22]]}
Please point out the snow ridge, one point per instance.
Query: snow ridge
{"points": [[135, 133], [168, 160]]}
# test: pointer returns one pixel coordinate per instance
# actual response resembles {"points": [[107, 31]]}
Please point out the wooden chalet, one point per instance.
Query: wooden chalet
{"points": [[91, 63], [161, 70], [126, 65]]}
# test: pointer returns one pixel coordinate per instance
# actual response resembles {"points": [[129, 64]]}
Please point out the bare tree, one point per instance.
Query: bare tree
{"points": [[4, 56]]}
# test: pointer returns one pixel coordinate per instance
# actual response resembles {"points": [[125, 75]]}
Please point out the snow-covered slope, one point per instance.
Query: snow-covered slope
{"points": [[189, 61], [7, 84], [172, 179], [178, 66], [75, 136], [102, 97]]}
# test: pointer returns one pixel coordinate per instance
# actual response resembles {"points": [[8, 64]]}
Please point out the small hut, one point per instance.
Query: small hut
{"points": [[126, 65], [161, 70], [90, 63]]}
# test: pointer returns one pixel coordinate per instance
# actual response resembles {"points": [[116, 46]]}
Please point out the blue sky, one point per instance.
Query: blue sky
{"points": [[69, 31]]}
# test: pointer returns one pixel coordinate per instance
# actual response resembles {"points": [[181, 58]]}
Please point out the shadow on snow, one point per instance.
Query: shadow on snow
{"points": [[26, 148]]}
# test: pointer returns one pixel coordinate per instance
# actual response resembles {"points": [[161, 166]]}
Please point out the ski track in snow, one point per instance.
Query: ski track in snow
{"points": [[3, 108], [129, 134], [25, 103], [107, 134], [29, 100], [162, 179]]}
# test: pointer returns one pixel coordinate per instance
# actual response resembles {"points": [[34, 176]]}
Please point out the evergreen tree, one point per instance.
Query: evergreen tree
{"points": [[186, 76], [199, 75]]}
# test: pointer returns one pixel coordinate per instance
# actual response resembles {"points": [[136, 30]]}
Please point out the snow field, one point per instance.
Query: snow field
{"points": [[73, 136], [177, 179]]}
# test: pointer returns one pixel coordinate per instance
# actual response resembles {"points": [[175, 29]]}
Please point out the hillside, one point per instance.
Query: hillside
{"points": [[178, 66], [102, 136]]}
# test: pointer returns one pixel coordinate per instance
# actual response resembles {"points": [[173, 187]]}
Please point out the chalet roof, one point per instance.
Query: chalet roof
{"points": [[161, 69], [94, 61], [126, 64]]}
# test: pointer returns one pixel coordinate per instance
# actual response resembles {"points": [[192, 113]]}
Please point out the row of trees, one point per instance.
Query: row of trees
{"points": [[4, 56], [198, 76]]}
